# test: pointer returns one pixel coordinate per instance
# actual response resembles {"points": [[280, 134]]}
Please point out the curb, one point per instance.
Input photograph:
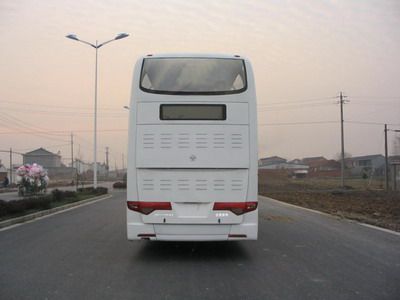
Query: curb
{"points": [[50, 211], [334, 216]]}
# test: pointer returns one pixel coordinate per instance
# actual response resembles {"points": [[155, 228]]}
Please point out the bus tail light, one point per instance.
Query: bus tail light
{"points": [[148, 207], [238, 208]]}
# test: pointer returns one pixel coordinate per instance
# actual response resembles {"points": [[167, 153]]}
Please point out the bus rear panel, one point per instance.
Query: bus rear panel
{"points": [[192, 159]]}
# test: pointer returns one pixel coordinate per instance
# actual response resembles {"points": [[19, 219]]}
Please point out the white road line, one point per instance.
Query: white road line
{"points": [[379, 228]]}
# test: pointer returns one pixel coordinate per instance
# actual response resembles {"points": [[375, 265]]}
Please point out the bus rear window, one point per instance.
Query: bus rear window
{"points": [[193, 76], [193, 112]]}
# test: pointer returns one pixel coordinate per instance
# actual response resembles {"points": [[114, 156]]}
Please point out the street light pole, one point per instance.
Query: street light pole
{"points": [[96, 47], [95, 124], [386, 161]]}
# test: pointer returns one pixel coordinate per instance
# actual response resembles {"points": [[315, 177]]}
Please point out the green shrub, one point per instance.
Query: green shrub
{"points": [[43, 202], [61, 195], [57, 195], [90, 190], [15, 207], [19, 206], [3, 208]]}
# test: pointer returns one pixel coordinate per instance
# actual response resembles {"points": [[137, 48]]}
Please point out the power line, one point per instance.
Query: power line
{"points": [[260, 124], [297, 102], [66, 113], [47, 146], [31, 132], [371, 123], [375, 97], [21, 125], [283, 108], [59, 106], [25, 124], [299, 123], [63, 131], [376, 103]]}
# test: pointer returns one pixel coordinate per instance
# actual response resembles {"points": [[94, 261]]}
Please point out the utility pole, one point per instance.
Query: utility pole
{"points": [[72, 150], [342, 101], [386, 161], [11, 175], [107, 165], [123, 162], [73, 174]]}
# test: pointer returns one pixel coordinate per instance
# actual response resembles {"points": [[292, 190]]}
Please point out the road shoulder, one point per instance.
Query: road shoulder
{"points": [[329, 215]]}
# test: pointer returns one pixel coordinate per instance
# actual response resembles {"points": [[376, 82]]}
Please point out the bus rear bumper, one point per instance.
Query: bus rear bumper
{"points": [[187, 232]]}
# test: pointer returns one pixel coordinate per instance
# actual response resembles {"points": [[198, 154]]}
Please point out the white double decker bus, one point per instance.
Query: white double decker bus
{"points": [[192, 159]]}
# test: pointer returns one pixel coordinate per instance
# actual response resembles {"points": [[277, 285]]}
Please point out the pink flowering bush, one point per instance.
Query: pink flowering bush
{"points": [[32, 179]]}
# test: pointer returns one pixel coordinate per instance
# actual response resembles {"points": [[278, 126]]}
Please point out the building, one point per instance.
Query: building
{"points": [[3, 173], [319, 164], [322, 167], [42, 157], [313, 160], [270, 161], [102, 169], [86, 168], [366, 165], [296, 161], [394, 159], [284, 166], [291, 169], [81, 166], [49, 161]]}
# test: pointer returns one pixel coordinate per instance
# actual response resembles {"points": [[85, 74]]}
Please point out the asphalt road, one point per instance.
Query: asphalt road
{"points": [[83, 254]]}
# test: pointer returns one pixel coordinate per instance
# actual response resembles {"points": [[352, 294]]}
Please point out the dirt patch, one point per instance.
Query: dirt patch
{"points": [[375, 207]]}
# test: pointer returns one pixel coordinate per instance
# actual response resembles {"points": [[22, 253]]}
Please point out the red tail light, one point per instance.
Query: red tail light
{"points": [[148, 207], [238, 208]]}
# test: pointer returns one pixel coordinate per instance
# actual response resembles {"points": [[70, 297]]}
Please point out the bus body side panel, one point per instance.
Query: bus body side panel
{"points": [[252, 193], [134, 221]]}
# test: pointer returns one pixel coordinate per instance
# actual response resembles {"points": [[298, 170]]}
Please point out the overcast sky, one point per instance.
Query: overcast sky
{"points": [[303, 53]]}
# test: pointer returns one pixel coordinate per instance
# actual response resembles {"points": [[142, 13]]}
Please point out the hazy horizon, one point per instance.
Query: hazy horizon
{"points": [[303, 54]]}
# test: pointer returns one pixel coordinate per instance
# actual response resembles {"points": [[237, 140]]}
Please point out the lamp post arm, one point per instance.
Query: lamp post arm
{"points": [[102, 44], [87, 43]]}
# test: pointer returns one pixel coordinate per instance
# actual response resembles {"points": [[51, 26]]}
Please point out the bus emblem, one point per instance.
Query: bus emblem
{"points": [[192, 157]]}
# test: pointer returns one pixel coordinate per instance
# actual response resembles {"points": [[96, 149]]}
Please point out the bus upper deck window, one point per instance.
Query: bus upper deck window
{"points": [[193, 76]]}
